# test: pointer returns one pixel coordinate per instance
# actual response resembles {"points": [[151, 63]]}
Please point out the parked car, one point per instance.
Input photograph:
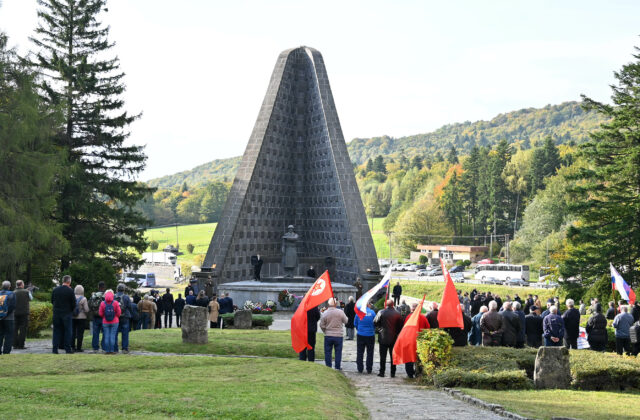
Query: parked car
{"points": [[490, 280], [412, 267], [457, 269], [457, 277], [421, 267], [422, 272], [395, 267], [435, 272], [516, 282]]}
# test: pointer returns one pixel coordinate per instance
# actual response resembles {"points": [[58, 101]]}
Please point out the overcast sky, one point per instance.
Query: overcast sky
{"points": [[199, 69]]}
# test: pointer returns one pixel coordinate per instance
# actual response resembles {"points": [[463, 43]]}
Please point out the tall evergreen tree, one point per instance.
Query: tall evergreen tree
{"points": [[379, 165], [607, 201], [452, 157], [545, 163], [29, 160], [452, 203], [469, 185], [98, 192]]}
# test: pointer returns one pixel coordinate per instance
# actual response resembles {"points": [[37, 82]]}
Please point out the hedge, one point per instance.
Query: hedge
{"points": [[602, 371], [40, 318], [509, 368], [256, 320]]}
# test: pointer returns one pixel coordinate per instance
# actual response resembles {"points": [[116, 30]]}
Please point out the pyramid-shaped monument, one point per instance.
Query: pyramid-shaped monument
{"points": [[295, 171]]}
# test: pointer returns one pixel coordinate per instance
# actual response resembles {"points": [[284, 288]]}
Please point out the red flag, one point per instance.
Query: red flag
{"points": [[320, 292], [449, 313], [405, 349]]}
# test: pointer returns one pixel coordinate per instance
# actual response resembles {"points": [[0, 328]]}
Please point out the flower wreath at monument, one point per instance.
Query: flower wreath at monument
{"points": [[285, 298]]}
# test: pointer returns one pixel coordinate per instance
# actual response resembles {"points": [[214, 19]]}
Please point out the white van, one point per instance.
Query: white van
{"points": [[143, 279]]}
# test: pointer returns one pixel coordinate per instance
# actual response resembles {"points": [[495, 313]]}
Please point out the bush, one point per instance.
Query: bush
{"points": [[154, 245], [257, 320], [40, 318], [434, 351], [42, 296], [423, 259], [601, 371], [190, 248], [466, 263], [507, 379]]}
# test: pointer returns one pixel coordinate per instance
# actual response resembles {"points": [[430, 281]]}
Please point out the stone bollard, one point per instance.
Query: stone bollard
{"points": [[194, 325], [552, 368], [242, 320]]}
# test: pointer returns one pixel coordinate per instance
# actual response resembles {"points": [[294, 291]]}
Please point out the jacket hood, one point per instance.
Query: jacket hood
{"points": [[108, 297]]}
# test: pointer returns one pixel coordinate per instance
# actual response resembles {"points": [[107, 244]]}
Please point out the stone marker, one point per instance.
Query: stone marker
{"points": [[194, 325], [552, 368], [242, 320]]}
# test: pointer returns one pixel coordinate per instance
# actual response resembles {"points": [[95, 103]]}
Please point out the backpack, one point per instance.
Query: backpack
{"points": [[4, 304], [95, 301], [109, 312], [124, 307], [76, 310]]}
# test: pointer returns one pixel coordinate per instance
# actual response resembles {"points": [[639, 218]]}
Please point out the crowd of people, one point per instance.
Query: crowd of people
{"points": [[488, 320], [110, 316]]}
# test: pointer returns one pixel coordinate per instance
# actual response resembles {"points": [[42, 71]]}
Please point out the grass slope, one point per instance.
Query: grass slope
{"points": [[434, 290], [95, 386], [222, 342], [545, 404]]}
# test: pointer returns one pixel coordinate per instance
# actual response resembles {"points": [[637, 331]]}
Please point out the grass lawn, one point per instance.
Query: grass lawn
{"points": [[434, 290], [223, 342], [545, 404], [94, 386]]}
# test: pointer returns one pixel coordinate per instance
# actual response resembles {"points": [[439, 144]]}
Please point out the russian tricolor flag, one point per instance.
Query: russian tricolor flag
{"points": [[618, 283], [361, 304]]}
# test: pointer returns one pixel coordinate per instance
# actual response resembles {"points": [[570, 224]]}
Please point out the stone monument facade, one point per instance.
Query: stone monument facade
{"points": [[295, 171]]}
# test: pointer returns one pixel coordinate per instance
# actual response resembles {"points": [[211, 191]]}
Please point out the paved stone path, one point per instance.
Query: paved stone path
{"points": [[385, 398]]}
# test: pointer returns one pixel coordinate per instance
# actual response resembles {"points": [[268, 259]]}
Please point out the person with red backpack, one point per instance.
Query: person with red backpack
{"points": [[110, 312]]}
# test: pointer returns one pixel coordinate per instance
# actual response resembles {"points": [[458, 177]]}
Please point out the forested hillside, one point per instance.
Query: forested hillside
{"points": [[219, 170], [566, 122]]}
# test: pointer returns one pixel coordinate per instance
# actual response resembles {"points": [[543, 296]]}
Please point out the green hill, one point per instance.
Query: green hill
{"points": [[566, 122]]}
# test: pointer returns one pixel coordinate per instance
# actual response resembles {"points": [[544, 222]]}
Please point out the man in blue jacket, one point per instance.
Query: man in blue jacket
{"points": [[365, 339], [7, 308], [553, 328]]}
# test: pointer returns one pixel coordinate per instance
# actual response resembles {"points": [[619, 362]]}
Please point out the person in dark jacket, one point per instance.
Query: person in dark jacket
{"points": [[460, 335], [167, 307], [350, 312], [188, 289], [432, 316], [635, 312], [397, 292], [178, 306], [597, 329], [533, 327], [158, 301], [190, 299], [553, 328], [64, 302], [571, 318], [488, 298], [475, 335], [21, 315], [202, 299], [511, 325], [7, 324], [522, 337], [313, 316], [476, 304], [611, 312], [388, 323], [492, 325], [311, 272]]}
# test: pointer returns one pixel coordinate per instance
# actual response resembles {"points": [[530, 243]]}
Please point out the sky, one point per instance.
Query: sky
{"points": [[198, 69]]}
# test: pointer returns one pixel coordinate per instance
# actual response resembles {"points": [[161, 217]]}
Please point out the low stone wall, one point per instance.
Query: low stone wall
{"points": [[255, 291]]}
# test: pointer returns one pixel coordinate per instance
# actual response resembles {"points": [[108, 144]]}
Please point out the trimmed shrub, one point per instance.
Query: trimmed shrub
{"points": [[154, 245], [257, 320], [601, 371], [40, 318], [507, 379], [434, 351], [190, 248], [423, 259], [42, 296]]}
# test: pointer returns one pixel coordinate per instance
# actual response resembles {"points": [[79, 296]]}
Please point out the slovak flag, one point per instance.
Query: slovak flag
{"points": [[618, 283], [361, 304]]}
